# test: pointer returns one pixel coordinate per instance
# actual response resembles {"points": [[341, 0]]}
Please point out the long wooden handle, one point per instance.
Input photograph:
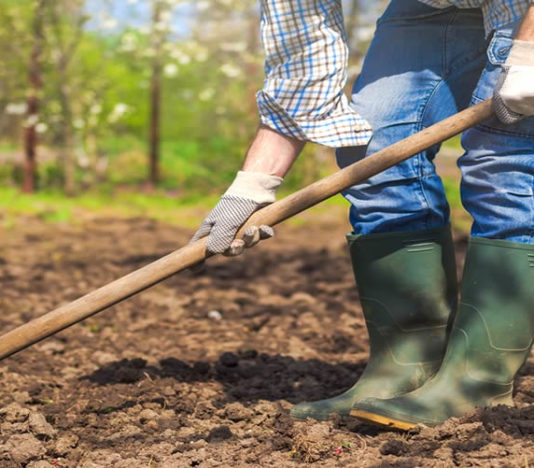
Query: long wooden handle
{"points": [[141, 279]]}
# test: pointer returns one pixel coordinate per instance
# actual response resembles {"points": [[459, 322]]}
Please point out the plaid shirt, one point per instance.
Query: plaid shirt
{"points": [[306, 66], [497, 13], [306, 69]]}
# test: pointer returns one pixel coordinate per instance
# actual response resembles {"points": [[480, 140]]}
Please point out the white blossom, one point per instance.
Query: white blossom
{"points": [[78, 124], [203, 5], [234, 47], [129, 42], [95, 109], [119, 111], [170, 70], [230, 70], [109, 23], [207, 94], [32, 120], [41, 127], [16, 108]]}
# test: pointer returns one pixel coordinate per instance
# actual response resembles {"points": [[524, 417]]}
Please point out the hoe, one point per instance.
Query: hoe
{"points": [[153, 273]]}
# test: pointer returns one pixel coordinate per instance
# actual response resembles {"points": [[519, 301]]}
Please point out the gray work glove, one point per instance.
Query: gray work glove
{"points": [[513, 98], [248, 192]]}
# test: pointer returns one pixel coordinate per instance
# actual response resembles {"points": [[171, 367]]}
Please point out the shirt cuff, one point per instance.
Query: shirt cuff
{"points": [[340, 127]]}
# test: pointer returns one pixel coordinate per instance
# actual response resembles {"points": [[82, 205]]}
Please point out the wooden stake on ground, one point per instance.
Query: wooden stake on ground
{"points": [[147, 276]]}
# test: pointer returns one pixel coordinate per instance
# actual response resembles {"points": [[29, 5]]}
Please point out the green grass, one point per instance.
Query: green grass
{"points": [[453, 143], [53, 207]]}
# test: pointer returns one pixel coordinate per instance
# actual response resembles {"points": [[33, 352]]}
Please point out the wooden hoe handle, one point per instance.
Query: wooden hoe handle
{"points": [[139, 280]]}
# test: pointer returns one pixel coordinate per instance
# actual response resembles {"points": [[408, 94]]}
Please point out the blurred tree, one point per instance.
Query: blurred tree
{"points": [[66, 21], [159, 33], [33, 99], [180, 75]]}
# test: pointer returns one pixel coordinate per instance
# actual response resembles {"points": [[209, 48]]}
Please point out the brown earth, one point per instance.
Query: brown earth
{"points": [[201, 370]]}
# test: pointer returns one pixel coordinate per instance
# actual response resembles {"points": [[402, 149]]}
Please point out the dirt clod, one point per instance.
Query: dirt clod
{"points": [[40, 427], [229, 360], [23, 448], [219, 434]]}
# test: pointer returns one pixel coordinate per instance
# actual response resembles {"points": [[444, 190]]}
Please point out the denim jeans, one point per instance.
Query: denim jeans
{"points": [[425, 64]]}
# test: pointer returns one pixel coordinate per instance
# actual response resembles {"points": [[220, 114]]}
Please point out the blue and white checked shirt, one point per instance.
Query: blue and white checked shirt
{"points": [[306, 66], [306, 69]]}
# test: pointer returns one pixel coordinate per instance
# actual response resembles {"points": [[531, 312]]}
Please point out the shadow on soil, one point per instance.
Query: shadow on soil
{"points": [[246, 376]]}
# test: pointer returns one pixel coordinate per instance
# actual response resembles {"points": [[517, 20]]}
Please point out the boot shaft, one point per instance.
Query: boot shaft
{"points": [[408, 290], [495, 321]]}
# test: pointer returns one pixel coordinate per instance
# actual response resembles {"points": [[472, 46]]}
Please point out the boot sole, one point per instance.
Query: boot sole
{"points": [[381, 420]]}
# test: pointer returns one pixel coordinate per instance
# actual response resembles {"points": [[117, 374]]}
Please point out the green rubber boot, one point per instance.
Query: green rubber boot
{"points": [[408, 288], [490, 339]]}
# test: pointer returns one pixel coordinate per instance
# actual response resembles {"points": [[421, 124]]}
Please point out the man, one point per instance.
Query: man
{"points": [[429, 59]]}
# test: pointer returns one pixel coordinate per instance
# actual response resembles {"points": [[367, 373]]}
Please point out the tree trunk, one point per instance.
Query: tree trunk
{"points": [[155, 95], [352, 22], [68, 158], [35, 85]]}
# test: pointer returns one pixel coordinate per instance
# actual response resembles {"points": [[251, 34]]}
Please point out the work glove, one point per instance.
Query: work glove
{"points": [[248, 192], [514, 93]]}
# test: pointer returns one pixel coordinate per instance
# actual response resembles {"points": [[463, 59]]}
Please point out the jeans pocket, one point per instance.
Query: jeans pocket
{"points": [[499, 48], [497, 53]]}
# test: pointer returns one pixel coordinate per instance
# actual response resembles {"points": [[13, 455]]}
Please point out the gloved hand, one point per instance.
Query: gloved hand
{"points": [[248, 192], [514, 93]]}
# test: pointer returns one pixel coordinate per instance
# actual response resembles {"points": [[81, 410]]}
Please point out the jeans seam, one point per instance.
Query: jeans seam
{"points": [[531, 233], [444, 68], [420, 175], [504, 132]]}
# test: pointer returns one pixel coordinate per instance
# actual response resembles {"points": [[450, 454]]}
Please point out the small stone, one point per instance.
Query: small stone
{"points": [[40, 427], [168, 391], [147, 415], [229, 360], [215, 315], [219, 434]]}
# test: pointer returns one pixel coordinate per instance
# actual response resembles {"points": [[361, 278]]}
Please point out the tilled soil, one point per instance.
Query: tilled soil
{"points": [[202, 369]]}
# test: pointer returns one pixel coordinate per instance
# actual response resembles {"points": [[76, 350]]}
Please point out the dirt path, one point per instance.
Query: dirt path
{"points": [[201, 370]]}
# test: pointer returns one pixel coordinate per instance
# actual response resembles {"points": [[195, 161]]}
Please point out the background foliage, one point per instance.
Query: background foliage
{"points": [[96, 66], [79, 80]]}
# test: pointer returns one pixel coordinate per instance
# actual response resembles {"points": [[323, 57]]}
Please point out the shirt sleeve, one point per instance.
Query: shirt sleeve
{"points": [[306, 69]]}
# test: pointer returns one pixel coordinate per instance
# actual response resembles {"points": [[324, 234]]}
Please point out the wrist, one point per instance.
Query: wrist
{"points": [[526, 30], [256, 186], [272, 153]]}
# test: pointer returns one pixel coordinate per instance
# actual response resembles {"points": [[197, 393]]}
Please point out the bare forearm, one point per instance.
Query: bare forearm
{"points": [[272, 153], [526, 31]]}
